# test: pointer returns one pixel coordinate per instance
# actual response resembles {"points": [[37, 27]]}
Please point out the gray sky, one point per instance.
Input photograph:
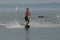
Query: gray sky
{"points": [[27, 1]]}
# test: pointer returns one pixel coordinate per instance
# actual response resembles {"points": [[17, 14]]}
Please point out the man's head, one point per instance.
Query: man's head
{"points": [[27, 8]]}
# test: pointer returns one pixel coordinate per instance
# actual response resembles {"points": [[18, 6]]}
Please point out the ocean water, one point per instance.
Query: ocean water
{"points": [[12, 21]]}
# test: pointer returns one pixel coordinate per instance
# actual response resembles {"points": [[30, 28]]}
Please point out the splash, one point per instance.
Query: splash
{"points": [[14, 24], [58, 16]]}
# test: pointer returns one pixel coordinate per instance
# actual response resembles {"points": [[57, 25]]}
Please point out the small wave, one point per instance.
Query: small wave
{"points": [[33, 24]]}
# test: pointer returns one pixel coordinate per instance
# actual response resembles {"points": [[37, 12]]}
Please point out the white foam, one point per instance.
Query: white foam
{"points": [[44, 24]]}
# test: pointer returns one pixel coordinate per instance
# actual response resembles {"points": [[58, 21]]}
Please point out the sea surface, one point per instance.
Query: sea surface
{"points": [[12, 21]]}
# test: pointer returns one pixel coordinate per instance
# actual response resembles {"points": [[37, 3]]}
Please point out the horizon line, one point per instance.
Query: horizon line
{"points": [[30, 3]]}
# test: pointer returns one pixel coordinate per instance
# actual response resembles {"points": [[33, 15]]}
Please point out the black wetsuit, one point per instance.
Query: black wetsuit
{"points": [[27, 19]]}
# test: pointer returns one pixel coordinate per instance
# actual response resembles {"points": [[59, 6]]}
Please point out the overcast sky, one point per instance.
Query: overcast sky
{"points": [[27, 1]]}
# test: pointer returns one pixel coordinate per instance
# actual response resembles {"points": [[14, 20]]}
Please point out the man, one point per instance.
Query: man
{"points": [[27, 14]]}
